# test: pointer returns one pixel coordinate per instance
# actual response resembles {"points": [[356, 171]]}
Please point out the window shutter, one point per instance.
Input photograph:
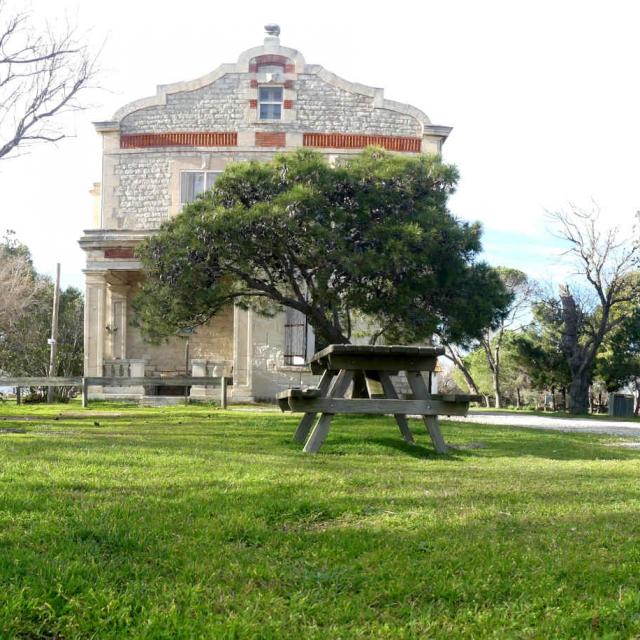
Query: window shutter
{"points": [[295, 337]]}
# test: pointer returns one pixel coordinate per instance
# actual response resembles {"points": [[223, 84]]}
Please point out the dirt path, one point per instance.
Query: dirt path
{"points": [[572, 425]]}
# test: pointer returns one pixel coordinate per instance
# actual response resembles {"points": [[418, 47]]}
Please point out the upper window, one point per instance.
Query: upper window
{"points": [[193, 183], [270, 103]]}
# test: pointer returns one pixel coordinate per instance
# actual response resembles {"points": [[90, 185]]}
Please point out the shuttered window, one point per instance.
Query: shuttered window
{"points": [[296, 333]]}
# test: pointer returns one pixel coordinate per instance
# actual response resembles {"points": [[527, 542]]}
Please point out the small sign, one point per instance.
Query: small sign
{"points": [[51, 341]]}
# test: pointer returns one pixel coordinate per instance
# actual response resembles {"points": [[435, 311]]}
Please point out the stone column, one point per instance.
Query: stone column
{"points": [[242, 355], [117, 324], [94, 323]]}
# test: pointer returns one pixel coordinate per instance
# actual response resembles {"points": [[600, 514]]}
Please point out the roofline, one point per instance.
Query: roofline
{"points": [[272, 46]]}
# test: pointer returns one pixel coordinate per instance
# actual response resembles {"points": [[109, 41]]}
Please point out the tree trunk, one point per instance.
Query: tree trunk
{"points": [[518, 402], [497, 390], [493, 360], [454, 356], [579, 394]]}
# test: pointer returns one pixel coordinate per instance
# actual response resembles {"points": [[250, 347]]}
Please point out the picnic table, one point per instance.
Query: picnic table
{"points": [[338, 365]]}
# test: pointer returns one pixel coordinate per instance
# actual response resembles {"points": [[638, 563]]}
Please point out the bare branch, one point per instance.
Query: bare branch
{"points": [[43, 75]]}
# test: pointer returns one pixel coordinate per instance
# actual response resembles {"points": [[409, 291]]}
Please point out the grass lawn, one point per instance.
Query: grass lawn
{"points": [[200, 523]]}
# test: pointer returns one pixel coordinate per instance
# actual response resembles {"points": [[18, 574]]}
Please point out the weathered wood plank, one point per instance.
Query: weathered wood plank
{"points": [[58, 381], [223, 393], [420, 391], [376, 350], [40, 382], [85, 393], [312, 392], [456, 397], [321, 429], [380, 362], [305, 424], [178, 381], [401, 419], [380, 406]]}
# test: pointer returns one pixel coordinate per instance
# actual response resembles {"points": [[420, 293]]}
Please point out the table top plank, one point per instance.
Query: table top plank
{"points": [[376, 406], [399, 351]]}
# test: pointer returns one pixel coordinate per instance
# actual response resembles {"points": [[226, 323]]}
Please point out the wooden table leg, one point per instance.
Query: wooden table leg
{"points": [[307, 419], [321, 429], [401, 419], [420, 391]]}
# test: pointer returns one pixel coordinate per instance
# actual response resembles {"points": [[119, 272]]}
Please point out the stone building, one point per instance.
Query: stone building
{"points": [[160, 152]]}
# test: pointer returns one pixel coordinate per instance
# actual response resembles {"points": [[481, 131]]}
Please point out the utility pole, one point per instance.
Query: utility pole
{"points": [[54, 333]]}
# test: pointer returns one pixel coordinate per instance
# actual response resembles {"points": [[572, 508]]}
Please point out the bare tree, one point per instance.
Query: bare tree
{"points": [[18, 287], [42, 75], [521, 289], [606, 262]]}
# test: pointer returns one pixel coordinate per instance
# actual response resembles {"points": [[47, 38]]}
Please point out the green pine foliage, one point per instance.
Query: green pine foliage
{"points": [[371, 237]]}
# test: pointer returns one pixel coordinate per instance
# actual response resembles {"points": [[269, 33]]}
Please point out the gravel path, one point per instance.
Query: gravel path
{"points": [[573, 425]]}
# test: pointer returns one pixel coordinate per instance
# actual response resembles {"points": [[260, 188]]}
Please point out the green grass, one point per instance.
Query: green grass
{"points": [[201, 523]]}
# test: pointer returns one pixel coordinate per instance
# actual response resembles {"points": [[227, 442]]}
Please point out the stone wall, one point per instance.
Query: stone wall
{"points": [[327, 108], [218, 106], [142, 187], [213, 341]]}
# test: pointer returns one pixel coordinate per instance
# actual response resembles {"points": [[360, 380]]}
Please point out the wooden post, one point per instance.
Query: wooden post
{"points": [[302, 432], [186, 370], [401, 419], [223, 392], [420, 392], [321, 428], [85, 393], [18, 395], [54, 333]]}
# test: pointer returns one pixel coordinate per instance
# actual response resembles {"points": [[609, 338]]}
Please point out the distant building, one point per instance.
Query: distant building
{"points": [[161, 152]]}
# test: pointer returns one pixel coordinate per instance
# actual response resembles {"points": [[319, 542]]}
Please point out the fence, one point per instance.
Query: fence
{"points": [[85, 382]]}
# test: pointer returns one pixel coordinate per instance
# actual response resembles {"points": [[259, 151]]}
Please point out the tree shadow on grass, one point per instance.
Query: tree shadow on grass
{"points": [[349, 435]]}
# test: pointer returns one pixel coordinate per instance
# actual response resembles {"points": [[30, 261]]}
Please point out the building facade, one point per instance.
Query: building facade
{"points": [[161, 152]]}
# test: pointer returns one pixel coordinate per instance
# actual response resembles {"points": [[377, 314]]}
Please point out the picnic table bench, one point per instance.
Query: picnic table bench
{"points": [[338, 365]]}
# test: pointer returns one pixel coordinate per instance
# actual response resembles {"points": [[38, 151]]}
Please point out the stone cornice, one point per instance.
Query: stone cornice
{"points": [[93, 239]]}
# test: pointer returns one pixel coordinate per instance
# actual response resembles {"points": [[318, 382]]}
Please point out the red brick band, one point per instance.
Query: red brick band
{"points": [[359, 141], [269, 60], [271, 139], [181, 139], [119, 252]]}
